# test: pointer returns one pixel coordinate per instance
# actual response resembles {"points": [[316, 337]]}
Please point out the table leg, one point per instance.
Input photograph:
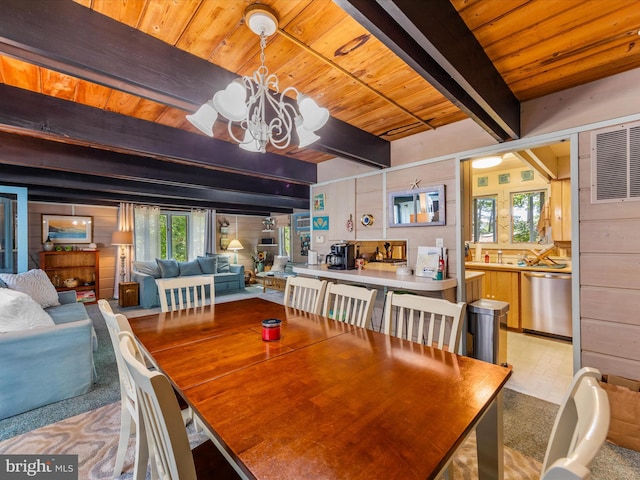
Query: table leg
{"points": [[489, 440]]}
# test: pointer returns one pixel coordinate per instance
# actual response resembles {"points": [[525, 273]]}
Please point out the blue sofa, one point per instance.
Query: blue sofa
{"points": [[227, 277], [46, 365]]}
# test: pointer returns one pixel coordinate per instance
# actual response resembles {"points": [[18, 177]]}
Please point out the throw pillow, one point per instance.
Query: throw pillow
{"points": [[168, 268], [279, 263], [148, 268], [208, 264], [223, 264], [18, 311], [34, 283], [2, 284], [189, 268]]}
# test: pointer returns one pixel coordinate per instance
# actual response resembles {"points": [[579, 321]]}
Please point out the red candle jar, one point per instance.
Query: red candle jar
{"points": [[271, 329]]}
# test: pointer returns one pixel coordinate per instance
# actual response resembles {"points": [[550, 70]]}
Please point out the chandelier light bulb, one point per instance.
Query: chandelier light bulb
{"points": [[314, 116], [204, 118], [249, 143], [230, 102], [305, 137]]}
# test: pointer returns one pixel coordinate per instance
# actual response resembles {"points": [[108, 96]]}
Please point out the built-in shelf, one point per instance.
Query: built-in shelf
{"points": [[267, 244], [82, 265]]}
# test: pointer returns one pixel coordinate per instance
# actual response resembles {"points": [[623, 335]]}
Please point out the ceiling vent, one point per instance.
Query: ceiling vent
{"points": [[615, 166]]}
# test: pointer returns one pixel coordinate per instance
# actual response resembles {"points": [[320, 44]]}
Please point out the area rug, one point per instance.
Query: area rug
{"points": [[93, 436]]}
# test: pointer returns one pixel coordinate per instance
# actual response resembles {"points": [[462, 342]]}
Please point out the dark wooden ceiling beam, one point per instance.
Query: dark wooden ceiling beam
{"points": [[76, 123], [439, 46], [66, 37], [53, 195], [41, 153], [87, 186]]}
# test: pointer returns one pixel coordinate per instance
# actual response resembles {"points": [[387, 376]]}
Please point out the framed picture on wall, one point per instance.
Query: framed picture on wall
{"points": [[526, 175], [321, 223], [67, 229], [318, 202]]}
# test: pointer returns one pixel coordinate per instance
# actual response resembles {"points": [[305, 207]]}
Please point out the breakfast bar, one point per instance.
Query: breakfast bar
{"points": [[389, 279]]}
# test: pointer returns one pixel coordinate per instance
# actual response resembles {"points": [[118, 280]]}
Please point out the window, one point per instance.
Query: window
{"points": [[173, 235], [525, 213], [284, 241], [13, 229], [484, 219]]}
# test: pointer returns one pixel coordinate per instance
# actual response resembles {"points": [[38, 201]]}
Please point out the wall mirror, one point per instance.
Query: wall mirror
{"points": [[420, 207]]}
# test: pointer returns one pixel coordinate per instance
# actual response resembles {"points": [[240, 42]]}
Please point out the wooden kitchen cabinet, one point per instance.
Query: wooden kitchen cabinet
{"points": [[560, 210], [505, 287]]}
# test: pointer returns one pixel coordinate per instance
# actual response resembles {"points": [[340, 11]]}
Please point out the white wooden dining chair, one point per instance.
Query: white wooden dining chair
{"points": [[580, 429], [184, 292], [349, 304], [166, 435], [304, 293], [438, 321], [130, 419]]}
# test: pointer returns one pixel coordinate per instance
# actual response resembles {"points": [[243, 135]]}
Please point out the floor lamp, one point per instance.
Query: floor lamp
{"points": [[122, 239]]}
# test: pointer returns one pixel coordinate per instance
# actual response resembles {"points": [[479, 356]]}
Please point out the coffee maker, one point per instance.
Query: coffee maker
{"points": [[342, 256]]}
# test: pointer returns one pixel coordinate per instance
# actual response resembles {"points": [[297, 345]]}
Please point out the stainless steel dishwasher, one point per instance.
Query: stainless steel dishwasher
{"points": [[546, 303]]}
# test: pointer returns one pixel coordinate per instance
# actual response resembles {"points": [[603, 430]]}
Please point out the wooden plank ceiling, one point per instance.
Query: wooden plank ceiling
{"points": [[94, 92]]}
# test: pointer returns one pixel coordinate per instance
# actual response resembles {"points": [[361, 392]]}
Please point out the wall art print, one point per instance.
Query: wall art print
{"points": [[318, 202], [321, 223], [67, 229]]}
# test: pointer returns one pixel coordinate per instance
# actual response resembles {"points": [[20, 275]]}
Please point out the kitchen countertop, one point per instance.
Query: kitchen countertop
{"points": [[506, 267], [379, 277]]}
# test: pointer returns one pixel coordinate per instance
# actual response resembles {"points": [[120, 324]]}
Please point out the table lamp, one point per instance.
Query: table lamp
{"points": [[235, 245], [122, 239]]}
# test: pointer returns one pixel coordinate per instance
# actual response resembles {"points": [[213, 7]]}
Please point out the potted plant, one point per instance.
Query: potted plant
{"points": [[259, 258]]}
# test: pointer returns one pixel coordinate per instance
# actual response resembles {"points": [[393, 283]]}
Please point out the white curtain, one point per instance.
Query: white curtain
{"points": [[125, 224], [147, 233], [210, 232], [197, 233]]}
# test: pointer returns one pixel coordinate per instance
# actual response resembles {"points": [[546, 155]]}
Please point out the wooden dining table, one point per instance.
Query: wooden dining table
{"points": [[327, 400]]}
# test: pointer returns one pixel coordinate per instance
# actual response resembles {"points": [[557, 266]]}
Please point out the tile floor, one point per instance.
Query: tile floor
{"points": [[542, 367]]}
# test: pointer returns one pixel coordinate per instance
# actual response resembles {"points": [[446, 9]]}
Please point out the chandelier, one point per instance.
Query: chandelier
{"points": [[265, 118]]}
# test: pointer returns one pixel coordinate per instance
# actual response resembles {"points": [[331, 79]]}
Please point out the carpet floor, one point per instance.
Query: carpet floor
{"points": [[89, 425], [93, 436]]}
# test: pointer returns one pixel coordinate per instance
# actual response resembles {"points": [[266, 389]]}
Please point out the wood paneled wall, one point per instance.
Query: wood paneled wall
{"points": [[105, 221], [369, 195], [609, 278]]}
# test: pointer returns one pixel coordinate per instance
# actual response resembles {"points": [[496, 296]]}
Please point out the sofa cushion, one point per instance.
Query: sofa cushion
{"points": [[223, 264], [147, 268], [18, 311], [279, 263], [67, 313], [208, 264], [34, 283], [189, 268], [168, 268], [2, 284]]}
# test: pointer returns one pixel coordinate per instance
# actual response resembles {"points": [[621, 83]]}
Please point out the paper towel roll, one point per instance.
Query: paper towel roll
{"points": [[312, 259]]}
